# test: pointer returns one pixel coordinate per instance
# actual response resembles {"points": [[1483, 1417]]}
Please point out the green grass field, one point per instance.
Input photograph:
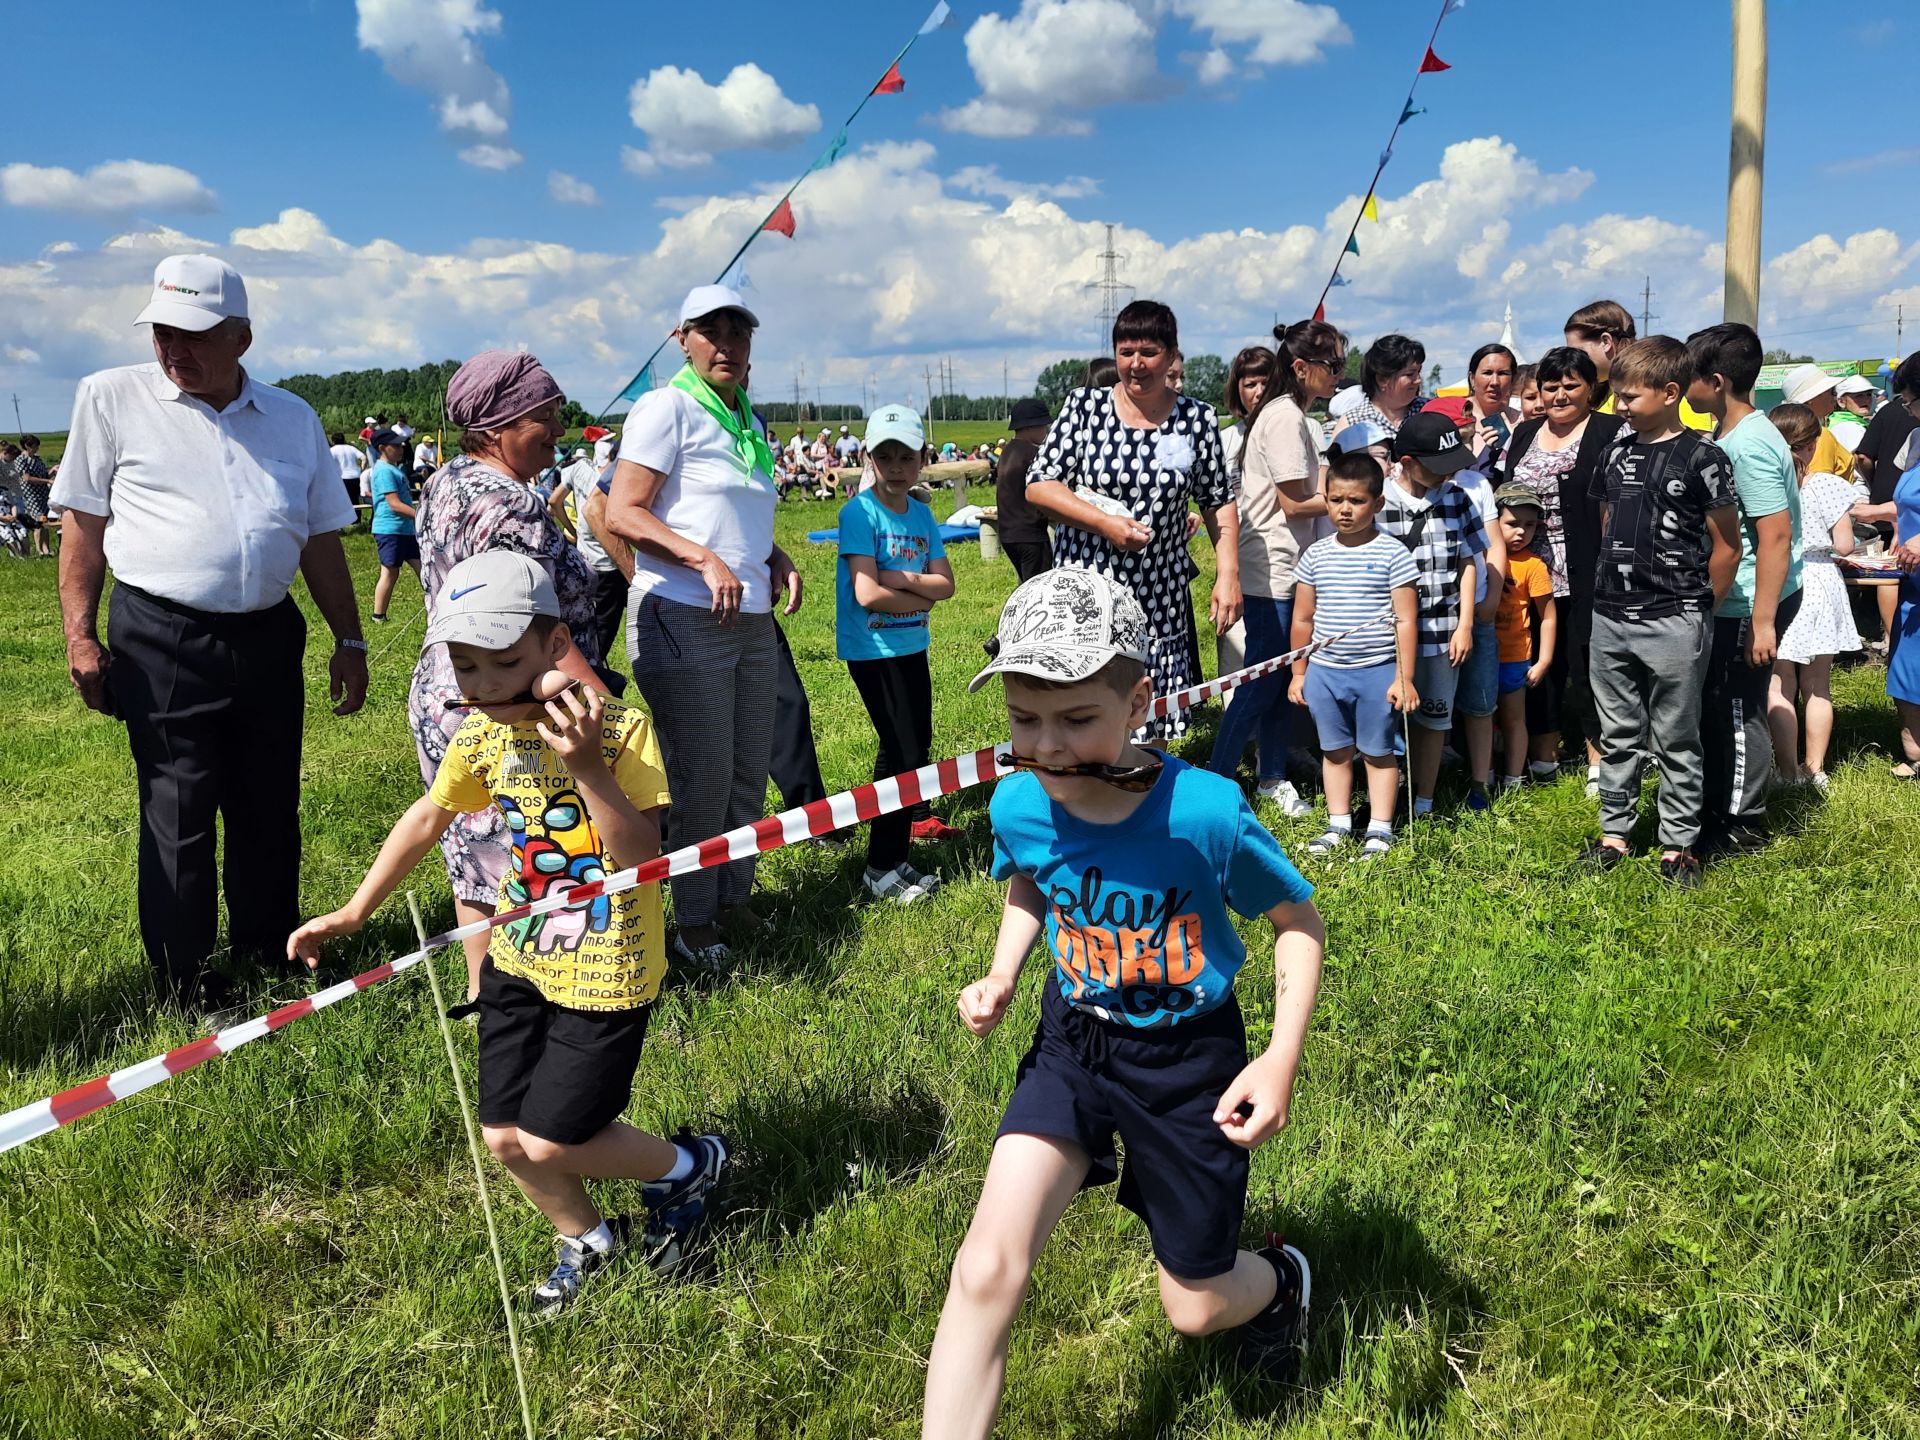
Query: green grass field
{"points": [[1572, 1156]]}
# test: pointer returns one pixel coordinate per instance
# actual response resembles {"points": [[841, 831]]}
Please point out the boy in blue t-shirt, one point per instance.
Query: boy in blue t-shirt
{"points": [[393, 512], [1133, 863], [893, 570]]}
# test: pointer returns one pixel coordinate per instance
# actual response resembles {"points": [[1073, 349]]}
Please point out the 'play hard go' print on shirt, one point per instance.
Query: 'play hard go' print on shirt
{"points": [[1138, 914]]}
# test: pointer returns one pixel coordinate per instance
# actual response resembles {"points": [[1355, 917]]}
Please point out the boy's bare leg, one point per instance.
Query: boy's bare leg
{"points": [[1383, 786], [1201, 1307], [550, 1173], [1513, 731], [1479, 730], [1031, 1180], [1336, 780], [1423, 760], [1545, 747], [383, 589]]}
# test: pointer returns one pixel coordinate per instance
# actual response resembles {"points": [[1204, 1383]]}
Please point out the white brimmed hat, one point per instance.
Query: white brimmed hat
{"points": [[1854, 385], [489, 599], [1803, 382], [1065, 625], [706, 299], [194, 292]]}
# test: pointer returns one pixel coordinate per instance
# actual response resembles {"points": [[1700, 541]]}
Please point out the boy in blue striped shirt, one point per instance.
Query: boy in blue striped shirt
{"points": [[1356, 685]]}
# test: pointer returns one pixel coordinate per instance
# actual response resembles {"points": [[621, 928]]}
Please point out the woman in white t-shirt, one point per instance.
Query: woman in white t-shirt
{"points": [[693, 493], [1282, 511], [1247, 380]]}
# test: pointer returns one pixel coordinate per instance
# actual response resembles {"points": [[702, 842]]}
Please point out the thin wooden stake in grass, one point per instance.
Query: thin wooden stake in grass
{"points": [[479, 1165]]}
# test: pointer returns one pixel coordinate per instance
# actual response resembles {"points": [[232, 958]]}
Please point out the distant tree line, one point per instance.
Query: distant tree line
{"points": [[344, 400]]}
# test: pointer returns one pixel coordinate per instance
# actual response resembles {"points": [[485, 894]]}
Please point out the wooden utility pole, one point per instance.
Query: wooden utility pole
{"points": [[1746, 161]]}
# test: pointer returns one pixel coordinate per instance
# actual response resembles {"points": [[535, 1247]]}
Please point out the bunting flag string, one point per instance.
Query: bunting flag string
{"points": [[1430, 64], [781, 219]]}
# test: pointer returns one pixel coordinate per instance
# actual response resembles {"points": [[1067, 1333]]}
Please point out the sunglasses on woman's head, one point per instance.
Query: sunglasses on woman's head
{"points": [[1134, 778], [525, 697]]}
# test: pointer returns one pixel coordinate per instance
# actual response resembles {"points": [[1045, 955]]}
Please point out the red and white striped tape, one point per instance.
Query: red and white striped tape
{"points": [[821, 817]]}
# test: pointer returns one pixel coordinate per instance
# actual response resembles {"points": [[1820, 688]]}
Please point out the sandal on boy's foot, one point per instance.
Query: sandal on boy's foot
{"points": [[707, 960], [679, 1207], [1328, 841], [575, 1261], [1601, 856], [1273, 1342], [1378, 842], [1283, 794], [928, 883], [1682, 871]]}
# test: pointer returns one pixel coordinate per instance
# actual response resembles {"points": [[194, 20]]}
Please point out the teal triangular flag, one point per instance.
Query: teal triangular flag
{"points": [[1411, 111], [639, 385], [831, 153], [1353, 246]]}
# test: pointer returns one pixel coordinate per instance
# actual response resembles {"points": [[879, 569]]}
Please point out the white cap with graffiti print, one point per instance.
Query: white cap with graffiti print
{"points": [[1065, 625]]}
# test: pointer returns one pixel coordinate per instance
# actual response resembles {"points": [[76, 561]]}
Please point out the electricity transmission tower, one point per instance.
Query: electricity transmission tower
{"points": [[1646, 309], [1110, 285]]}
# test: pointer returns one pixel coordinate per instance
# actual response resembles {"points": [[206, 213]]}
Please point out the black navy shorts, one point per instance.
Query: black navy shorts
{"points": [[562, 1074], [397, 550], [1086, 1079]]}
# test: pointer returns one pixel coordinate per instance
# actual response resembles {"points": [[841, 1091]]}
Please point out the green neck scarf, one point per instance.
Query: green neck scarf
{"points": [[750, 448]]}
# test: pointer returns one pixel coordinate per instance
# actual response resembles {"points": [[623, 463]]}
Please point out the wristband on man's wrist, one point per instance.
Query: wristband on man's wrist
{"points": [[347, 643]]}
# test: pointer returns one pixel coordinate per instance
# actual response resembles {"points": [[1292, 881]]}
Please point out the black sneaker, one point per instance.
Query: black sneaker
{"points": [[679, 1207], [574, 1262], [1681, 871], [1273, 1342], [1721, 844], [1601, 856]]}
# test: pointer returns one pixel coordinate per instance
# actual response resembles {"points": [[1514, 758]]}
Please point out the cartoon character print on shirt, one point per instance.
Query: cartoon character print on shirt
{"points": [[1139, 949], [564, 853], [904, 552]]}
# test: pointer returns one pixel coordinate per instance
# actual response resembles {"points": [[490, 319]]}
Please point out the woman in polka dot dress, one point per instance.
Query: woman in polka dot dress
{"points": [[1118, 471]]}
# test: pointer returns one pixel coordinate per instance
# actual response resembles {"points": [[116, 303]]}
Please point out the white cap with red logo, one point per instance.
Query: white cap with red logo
{"points": [[194, 292]]}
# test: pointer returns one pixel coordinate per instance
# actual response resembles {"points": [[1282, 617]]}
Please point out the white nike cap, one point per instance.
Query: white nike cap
{"points": [[489, 599]]}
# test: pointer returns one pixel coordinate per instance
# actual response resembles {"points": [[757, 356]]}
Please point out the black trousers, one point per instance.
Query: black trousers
{"points": [[1735, 739], [213, 706], [795, 766], [898, 694], [1029, 557], [609, 609]]}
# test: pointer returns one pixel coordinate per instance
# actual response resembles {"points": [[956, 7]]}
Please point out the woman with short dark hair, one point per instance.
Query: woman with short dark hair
{"points": [[1390, 379], [1118, 470]]}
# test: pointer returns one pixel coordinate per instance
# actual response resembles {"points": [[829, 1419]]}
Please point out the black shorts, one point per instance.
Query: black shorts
{"points": [[1087, 1078], [564, 1075], [397, 550]]}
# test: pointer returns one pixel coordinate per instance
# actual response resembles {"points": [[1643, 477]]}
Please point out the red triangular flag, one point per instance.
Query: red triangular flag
{"points": [[1433, 64], [1320, 312], [781, 220], [891, 83]]}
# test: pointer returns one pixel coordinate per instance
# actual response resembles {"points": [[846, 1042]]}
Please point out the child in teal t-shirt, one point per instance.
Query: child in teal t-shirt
{"points": [[393, 510], [893, 570]]}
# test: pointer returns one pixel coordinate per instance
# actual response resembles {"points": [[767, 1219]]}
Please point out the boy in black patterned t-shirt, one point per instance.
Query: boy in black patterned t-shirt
{"points": [[1669, 545]]}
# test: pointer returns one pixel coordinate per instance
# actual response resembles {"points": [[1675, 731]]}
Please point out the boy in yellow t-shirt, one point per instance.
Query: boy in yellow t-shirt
{"points": [[1526, 601], [564, 997]]}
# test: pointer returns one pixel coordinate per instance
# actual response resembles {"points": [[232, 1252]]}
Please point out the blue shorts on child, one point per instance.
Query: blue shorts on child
{"points": [[1085, 1079], [397, 550], [1513, 676], [1349, 706]]}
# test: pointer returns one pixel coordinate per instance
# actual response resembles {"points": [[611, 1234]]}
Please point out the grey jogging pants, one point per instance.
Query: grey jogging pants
{"points": [[1647, 679], [710, 690]]}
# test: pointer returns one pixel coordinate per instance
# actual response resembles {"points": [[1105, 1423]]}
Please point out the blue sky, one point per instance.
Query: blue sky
{"points": [[336, 184]]}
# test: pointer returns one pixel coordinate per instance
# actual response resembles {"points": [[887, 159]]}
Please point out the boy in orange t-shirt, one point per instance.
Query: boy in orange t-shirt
{"points": [[1527, 596]]}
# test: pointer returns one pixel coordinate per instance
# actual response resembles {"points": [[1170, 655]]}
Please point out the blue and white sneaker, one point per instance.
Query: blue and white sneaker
{"points": [[574, 1263], [677, 1208]]}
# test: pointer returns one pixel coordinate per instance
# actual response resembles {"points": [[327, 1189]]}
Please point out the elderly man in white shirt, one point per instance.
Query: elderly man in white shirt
{"points": [[205, 492]]}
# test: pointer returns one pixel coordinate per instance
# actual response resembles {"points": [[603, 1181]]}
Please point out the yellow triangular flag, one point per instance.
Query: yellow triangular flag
{"points": [[1370, 211]]}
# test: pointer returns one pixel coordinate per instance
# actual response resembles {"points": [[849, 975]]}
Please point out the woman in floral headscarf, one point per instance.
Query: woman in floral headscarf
{"points": [[1118, 470], [508, 409]]}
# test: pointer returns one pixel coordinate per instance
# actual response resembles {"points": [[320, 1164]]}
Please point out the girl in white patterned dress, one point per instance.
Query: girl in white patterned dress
{"points": [[1823, 628]]}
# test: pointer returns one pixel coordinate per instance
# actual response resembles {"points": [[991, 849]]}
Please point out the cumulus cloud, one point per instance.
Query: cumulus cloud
{"points": [[1275, 32], [686, 120], [1052, 58], [987, 180], [947, 266], [1213, 66], [491, 157], [434, 45], [566, 189], [116, 187]]}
